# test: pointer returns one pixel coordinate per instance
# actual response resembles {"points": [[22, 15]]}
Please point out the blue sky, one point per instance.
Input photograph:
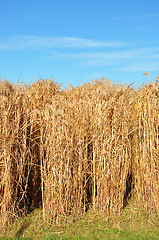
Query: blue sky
{"points": [[77, 41]]}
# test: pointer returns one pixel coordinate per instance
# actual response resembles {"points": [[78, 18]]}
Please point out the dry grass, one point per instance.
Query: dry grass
{"points": [[78, 148], [145, 145]]}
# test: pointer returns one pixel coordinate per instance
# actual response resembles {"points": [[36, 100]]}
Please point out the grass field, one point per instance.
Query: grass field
{"points": [[133, 223]]}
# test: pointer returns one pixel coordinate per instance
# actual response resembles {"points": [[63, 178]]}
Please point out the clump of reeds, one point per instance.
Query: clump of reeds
{"points": [[145, 144], [87, 154], [111, 159], [78, 148], [20, 166], [11, 150]]}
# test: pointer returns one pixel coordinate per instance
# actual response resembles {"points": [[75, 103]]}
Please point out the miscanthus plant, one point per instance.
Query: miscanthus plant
{"points": [[69, 150]]}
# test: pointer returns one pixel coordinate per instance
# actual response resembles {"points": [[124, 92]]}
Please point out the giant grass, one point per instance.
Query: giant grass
{"points": [[70, 150]]}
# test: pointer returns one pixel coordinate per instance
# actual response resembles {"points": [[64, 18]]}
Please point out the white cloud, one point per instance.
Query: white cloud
{"points": [[142, 66], [111, 57], [84, 52], [38, 42]]}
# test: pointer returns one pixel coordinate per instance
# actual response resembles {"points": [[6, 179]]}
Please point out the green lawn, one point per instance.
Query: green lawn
{"points": [[133, 223]]}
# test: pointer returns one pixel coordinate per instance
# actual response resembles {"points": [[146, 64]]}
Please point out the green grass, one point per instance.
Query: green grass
{"points": [[133, 223]]}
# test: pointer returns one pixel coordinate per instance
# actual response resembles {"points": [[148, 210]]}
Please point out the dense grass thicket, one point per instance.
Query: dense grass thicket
{"points": [[69, 150]]}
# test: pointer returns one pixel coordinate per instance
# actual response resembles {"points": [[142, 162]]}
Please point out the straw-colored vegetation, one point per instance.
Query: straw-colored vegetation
{"points": [[69, 150]]}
